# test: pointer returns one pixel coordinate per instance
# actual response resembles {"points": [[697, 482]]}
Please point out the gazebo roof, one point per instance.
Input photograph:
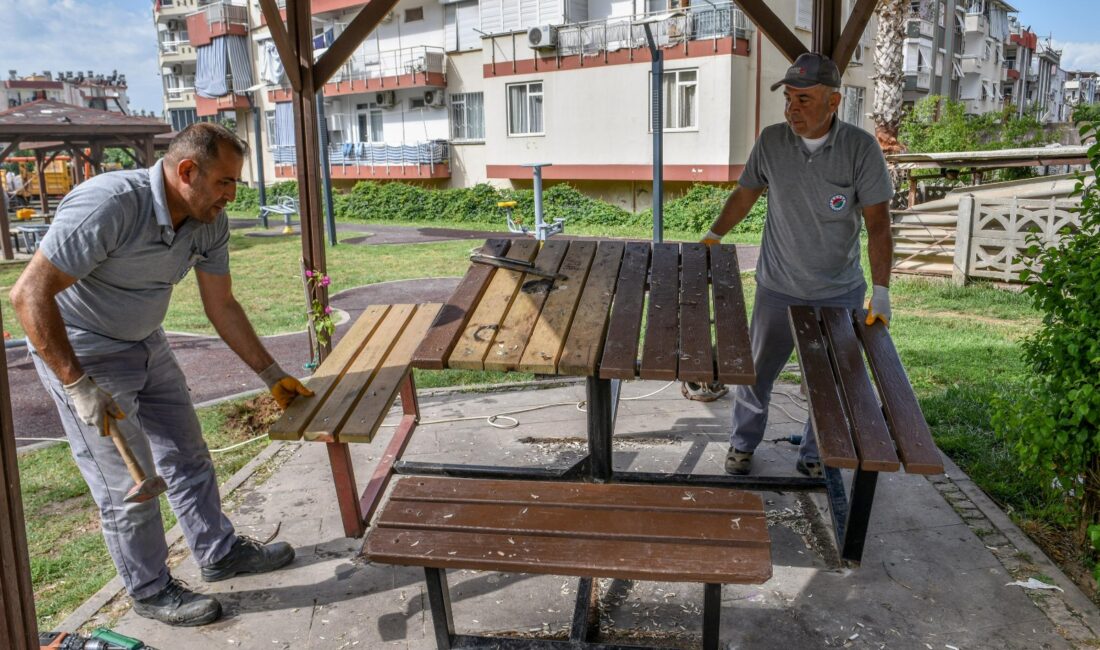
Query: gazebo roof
{"points": [[52, 120]]}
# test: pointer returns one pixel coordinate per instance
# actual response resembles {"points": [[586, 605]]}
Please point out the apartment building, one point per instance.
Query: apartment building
{"points": [[1081, 87], [88, 89], [455, 92]]}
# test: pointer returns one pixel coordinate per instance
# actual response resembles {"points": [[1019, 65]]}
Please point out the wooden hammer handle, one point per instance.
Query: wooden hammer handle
{"points": [[128, 457]]}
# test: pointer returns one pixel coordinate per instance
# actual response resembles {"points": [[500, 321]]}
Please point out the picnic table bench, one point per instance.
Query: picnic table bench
{"points": [[353, 390], [712, 536]]}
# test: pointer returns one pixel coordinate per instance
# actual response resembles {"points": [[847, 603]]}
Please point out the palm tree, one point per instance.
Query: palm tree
{"points": [[889, 75]]}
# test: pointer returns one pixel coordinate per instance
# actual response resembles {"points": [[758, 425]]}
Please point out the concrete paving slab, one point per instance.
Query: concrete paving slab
{"points": [[928, 579]]}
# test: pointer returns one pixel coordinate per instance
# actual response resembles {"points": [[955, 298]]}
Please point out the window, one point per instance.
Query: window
{"points": [[369, 118], [413, 14], [269, 122], [525, 108], [467, 117], [851, 105], [182, 118], [804, 14], [678, 101]]}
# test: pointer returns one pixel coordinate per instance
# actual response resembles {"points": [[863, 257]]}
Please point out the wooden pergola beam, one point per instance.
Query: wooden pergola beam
{"points": [[775, 29], [853, 32], [363, 23]]}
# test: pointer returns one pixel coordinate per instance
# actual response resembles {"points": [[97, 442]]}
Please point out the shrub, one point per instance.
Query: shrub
{"points": [[248, 198], [1054, 423]]}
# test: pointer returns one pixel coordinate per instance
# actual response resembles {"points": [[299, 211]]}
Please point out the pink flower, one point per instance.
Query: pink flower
{"points": [[309, 274], [328, 310], [325, 281]]}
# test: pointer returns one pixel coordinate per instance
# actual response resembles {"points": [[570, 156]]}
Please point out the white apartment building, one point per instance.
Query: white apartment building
{"points": [[986, 28], [452, 93], [80, 88], [1081, 88]]}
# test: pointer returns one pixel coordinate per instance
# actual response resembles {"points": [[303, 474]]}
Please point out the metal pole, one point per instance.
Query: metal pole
{"points": [[656, 109], [326, 177], [536, 173], [256, 125]]}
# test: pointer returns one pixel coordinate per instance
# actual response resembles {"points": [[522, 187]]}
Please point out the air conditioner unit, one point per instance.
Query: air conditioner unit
{"points": [[384, 99], [543, 36], [433, 98]]}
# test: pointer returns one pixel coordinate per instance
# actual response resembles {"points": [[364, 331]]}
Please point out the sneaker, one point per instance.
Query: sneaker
{"points": [[178, 605], [811, 468], [249, 556], [738, 462]]}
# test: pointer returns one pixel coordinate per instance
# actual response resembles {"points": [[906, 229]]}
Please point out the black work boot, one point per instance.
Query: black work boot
{"points": [[249, 556], [178, 605]]}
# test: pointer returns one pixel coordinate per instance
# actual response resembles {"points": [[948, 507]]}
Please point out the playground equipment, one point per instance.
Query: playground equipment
{"points": [[543, 230], [59, 177]]}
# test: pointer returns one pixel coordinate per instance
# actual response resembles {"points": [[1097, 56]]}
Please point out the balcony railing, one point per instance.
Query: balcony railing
{"points": [[918, 79], [611, 34], [366, 154], [393, 63], [180, 93], [173, 46], [220, 11]]}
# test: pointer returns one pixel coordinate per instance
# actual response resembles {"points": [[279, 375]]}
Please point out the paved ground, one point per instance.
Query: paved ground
{"points": [[935, 574]]}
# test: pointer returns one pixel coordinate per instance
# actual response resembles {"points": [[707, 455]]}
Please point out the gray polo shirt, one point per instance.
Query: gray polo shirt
{"points": [[810, 247], [114, 234]]}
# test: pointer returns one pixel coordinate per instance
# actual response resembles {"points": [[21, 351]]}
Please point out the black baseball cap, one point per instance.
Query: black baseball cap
{"points": [[811, 69]]}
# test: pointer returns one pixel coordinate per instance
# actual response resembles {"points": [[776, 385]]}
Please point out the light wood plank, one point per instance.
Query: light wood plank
{"points": [[480, 331], [362, 424], [517, 326], [292, 422], [585, 343], [335, 410], [620, 354], [552, 329]]}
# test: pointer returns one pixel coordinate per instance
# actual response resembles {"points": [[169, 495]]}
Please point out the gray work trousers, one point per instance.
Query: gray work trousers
{"points": [[772, 344], [163, 431]]}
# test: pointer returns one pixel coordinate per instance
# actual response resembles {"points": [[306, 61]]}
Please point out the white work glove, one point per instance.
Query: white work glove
{"points": [[93, 404], [284, 388], [879, 306], [711, 238]]}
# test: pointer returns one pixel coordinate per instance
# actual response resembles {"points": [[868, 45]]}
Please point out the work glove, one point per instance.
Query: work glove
{"points": [[284, 388], [879, 306], [711, 238], [93, 404]]}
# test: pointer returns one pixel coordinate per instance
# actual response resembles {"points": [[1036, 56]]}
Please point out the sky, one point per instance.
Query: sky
{"points": [[106, 35]]}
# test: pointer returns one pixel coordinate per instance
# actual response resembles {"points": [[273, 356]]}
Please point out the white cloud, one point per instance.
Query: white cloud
{"points": [[1079, 56], [59, 35]]}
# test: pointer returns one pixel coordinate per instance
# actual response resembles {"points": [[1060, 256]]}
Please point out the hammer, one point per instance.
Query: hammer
{"points": [[145, 488]]}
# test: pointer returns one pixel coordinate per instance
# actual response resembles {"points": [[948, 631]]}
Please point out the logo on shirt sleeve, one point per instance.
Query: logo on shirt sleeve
{"points": [[838, 202]]}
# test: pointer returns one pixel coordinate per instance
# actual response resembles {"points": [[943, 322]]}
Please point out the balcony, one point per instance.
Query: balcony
{"points": [[179, 88], [919, 28], [918, 79], [216, 19], [410, 67], [977, 23], [709, 21], [174, 8], [364, 160], [206, 106]]}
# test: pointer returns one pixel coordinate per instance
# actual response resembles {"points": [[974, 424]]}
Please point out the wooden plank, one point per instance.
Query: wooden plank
{"points": [[585, 343], [872, 440], [696, 362], [533, 518], [571, 557], [773, 27], [834, 441], [360, 373], [480, 331], [849, 39], [732, 344], [448, 325], [368, 414], [516, 328], [649, 498], [620, 354], [915, 446], [292, 422], [552, 328], [662, 330]]}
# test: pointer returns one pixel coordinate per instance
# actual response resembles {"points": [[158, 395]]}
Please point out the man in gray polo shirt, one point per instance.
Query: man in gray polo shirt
{"points": [[92, 301], [821, 175]]}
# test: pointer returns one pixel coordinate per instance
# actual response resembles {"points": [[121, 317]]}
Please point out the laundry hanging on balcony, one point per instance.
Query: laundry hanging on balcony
{"points": [[224, 59], [271, 66], [283, 147], [324, 40]]}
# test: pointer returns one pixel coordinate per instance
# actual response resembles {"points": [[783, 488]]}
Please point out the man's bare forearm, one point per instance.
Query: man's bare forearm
{"points": [[735, 210], [880, 243], [41, 320]]}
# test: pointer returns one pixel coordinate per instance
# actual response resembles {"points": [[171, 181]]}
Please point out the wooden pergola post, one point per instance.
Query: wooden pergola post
{"points": [[40, 169]]}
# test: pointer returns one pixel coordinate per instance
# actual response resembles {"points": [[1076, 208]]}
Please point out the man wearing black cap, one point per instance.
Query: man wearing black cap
{"points": [[821, 175]]}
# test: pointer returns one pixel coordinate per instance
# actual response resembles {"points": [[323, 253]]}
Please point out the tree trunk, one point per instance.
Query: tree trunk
{"points": [[889, 75]]}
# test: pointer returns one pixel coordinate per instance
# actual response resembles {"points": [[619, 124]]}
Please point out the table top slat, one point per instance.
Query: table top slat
{"points": [[293, 421], [451, 320], [480, 331], [732, 346], [552, 328], [662, 331], [696, 362], [914, 441], [585, 343], [519, 323], [620, 353], [872, 439], [827, 414], [363, 422], [342, 398]]}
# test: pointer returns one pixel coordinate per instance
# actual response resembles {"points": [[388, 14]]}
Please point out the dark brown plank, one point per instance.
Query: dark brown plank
{"points": [[662, 329], [589, 495], [572, 557], [834, 440], [696, 361], [534, 518], [620, 353], [732, 345], [585, 343], [876, 449], [914, 442], [448, 325]]}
